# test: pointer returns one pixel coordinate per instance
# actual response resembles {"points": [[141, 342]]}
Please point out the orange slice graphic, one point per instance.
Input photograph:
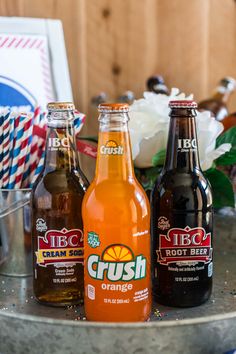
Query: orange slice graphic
{"points": [[111, 143], [117, 253]]}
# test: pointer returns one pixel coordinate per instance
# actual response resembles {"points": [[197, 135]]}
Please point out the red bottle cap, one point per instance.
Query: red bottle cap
{"points": [[183, 104]]}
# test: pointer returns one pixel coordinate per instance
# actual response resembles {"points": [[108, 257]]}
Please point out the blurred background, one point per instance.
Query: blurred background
{"points": [[114, 46]]}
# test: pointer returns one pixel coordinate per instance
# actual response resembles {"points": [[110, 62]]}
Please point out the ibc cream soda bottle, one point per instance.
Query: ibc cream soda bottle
{"points": [[116, 220], [57, 228]]}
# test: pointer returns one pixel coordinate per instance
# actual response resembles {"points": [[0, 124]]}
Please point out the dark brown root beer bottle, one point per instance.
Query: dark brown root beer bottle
{"points": [[181, 218], [217, 103], [57, 228]]}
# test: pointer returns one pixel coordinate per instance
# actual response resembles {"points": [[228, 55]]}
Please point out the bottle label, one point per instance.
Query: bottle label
{"points": [[60, 246], [163, 223], [184, 245], [58, 143], [111, 148], [117, 263], [187, 145]]}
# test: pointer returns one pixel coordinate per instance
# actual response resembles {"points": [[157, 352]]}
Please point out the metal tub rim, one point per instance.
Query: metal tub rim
{"points": [[121, 325]]}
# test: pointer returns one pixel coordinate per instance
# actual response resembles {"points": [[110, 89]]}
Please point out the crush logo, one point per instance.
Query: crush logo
{"points": [[111, 148], [185, 145], [56, 143], [60, 247], [117, 263], [185, 245]]}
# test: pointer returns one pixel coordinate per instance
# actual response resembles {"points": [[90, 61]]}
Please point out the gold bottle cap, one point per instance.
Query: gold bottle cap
{"points": [[61, 106], [113, 107]]}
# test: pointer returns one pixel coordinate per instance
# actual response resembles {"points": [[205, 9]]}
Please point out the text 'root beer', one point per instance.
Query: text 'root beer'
{"points": [[116, 229], [57, 232], [181, 218]]}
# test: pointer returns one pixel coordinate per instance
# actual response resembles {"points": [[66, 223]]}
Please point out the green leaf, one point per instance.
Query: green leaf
{"points": [[223, 194], [227, 137], [229, 158], [148, 176], [159, 158], [152, 173], [89, 138]]}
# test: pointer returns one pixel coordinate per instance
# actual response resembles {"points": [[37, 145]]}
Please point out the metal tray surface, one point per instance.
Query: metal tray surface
{"points": [[28, 327]]}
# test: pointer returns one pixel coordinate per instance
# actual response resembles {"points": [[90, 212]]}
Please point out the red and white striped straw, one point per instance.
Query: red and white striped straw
{"points": [[32, 147], [24, 148], [6, 151], [39, 168], [1, 154], [17, 147]]}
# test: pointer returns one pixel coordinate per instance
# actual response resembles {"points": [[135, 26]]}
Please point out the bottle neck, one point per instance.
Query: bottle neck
{"points": [[61, 153], [114, 160], [182, 147], [222, 94]]}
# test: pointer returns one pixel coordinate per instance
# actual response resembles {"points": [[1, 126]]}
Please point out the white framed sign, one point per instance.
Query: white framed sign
{"points": [[33, 63]]}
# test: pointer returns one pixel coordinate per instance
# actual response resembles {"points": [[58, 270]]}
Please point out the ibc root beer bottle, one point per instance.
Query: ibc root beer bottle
{"points": [[181, 218], [57, 231], [116, 220]]}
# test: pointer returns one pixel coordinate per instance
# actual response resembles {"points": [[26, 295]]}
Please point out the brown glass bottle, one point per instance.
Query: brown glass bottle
{"points": [[229, 121], [181, 218], [217, 104], [157, 84], [57, 228]]}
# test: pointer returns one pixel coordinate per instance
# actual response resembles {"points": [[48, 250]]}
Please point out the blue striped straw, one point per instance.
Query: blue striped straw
{"points": [[19, 131], [39, 169], [1, 149], [6, 149]]}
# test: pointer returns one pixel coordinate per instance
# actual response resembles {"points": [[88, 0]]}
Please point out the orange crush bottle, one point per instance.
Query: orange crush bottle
{"points": [[116, 218]]}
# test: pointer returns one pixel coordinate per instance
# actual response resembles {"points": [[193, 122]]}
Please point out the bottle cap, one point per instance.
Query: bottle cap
{"points": [[100, 98], [60, 106], [183, 104], [228, 83], [156, 83], [127, 96], [113, 107]]}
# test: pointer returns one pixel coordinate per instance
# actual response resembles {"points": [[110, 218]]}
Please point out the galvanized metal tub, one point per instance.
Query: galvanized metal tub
{"points": [[27, 327]]}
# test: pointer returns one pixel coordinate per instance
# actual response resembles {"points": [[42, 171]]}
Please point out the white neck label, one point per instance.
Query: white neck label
{"points": [[57, 143], [187, 145]]}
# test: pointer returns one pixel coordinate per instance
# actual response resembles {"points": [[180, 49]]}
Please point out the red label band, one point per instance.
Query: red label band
{"points": [[185, 245], [87, 149], [65, 246]]}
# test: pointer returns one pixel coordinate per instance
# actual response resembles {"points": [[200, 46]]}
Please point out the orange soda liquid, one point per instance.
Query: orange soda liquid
{"points": [[116, 220]]}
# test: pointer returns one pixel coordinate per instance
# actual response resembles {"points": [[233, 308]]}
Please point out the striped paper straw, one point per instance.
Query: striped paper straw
{"points": [[1, 150], [6, 150], [78, 121], [17, 145], [38, 150], [24, 149], [12, 132], [38, 170], [32, 147]]}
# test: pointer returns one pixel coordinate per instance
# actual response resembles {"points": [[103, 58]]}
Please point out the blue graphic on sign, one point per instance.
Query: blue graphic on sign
{"points": [[14, 94]]}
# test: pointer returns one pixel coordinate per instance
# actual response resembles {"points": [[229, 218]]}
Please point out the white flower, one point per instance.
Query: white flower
{"points": [[149, 124], [208, 129]]}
